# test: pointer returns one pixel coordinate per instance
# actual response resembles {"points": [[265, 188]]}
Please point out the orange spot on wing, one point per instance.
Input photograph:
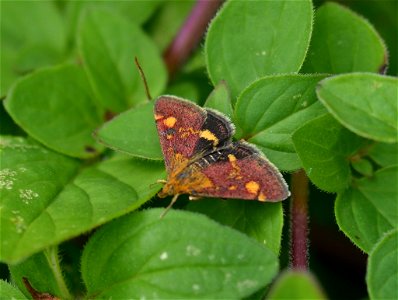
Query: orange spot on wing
{"points": [[252, 187], [262, 197], [170, 122], [232, 188]]}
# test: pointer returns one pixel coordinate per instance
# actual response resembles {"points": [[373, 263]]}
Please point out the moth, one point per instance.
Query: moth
{"points": [[202, 160]]}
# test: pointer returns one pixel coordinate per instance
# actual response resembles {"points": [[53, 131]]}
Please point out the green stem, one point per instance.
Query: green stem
{"points": [[52, 257]]}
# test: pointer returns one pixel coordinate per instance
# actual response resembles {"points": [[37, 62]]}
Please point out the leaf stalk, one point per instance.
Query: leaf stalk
{"points": [[53, 260]]}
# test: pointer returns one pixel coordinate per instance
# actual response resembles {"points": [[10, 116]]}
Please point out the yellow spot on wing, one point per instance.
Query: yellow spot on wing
{"points": [[232, 188], [235, 173], [231, 157], [252, 187], [262, 197], [208, 135], [186, 132], [170, 122]]}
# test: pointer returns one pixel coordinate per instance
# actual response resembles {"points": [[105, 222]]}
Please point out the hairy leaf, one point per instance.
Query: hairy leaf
{"points": [[46, 199], [364, 103], [344, 42], [324, 147], [174, 257], [260, 221], [382, 270], [369, 210], [272, 108], [274, 39]]}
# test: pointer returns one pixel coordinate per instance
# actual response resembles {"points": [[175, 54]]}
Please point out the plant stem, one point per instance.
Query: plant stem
{"points": [[190, 34], [299, 221], [51, 254]]}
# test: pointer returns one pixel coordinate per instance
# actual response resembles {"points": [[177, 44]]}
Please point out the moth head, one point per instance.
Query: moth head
{"points": [[167, 190]]}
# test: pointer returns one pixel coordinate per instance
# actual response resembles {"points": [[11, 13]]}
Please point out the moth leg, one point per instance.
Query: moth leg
{"points": [[159, 181], [193, 198], [169, 206]]}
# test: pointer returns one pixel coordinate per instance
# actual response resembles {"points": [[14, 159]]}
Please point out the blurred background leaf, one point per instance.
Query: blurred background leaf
{"points": [[25, 47], [108, 45]]}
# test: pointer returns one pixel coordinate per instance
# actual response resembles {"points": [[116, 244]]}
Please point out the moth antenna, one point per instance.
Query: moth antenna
{"points": [[148, 94], [169, 206]]}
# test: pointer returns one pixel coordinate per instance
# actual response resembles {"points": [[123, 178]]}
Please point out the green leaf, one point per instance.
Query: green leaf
{"points": [[220, 99], [192, 86], [387, 26], [46, 200], [370, 209], [196, 63], [31, 176], [133, 132], [363, 166], [324, 147], [344, 42], [8, 291], [364, 103], [25, 47], [272, 108], [274, 39], [136, 173], [174, 257], [186, 89], [260, 221], [108, 45], [382, 272], [56, 107], [296, 285], [384, 154], [135, 11]]}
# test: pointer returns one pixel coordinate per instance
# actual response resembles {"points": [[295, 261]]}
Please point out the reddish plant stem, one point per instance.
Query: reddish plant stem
{"points": [[190, 34], [299, 221], [36, 295]]}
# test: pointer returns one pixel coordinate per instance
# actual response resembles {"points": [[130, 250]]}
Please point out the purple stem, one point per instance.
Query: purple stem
{"points": [[190, 34], [299, 221]]}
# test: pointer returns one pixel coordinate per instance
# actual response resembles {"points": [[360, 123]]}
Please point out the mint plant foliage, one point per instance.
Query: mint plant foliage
{"points": [[308, 83]]}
